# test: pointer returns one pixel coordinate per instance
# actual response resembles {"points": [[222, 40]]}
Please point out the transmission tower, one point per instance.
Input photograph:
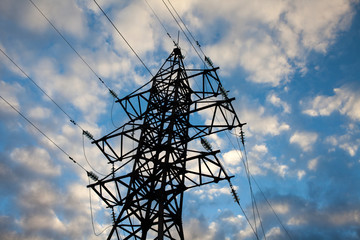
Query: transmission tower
{"points": [[153, 155]]}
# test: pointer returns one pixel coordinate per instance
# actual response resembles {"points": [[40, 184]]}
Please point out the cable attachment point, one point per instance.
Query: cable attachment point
{"points": [[88, 135], [113, 215], [223, 92], [209, 62], [72, 159], [113, 169], [205, 143], [113, 93], [242, 135], [234, 193], [93, 176]]}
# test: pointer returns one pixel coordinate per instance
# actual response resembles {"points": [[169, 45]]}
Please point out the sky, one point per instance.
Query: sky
{"points": [[291, 65]]}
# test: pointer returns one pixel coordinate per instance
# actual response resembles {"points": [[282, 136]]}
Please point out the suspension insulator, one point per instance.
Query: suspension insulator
{"points": [[205, 143], [242, 135], [234, 193], [88, 135], [113, 93], [224, 93], [93, 176], [113, 215], [209, 62]]}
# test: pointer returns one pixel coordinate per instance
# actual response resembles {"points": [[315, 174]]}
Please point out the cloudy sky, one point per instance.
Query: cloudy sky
{"points": [[291, 65]]}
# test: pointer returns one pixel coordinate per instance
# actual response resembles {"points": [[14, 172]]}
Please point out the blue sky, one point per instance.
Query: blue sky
{"points": [[291, 65]]}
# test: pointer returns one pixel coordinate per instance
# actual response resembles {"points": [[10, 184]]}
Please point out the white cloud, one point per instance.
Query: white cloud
{"points": [[39, 113], [212, 192], [260, 148], [312, 164], [260, 162], [267, 39], [232, 160], [36, 160], [300, 174], [9, 92], [346, 101], [304, 139], [274, 232], [66, 16], [317, 23], [276, 167], [135, 36], [285, 32], [261, 123], [347, 142], [276, 101]]}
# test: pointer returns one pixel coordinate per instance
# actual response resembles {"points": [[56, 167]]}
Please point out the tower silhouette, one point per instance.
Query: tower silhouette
{"points": [[155, 155]]}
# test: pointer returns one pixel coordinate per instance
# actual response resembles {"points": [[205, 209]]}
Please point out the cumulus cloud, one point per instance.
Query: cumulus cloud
{"points": [[300, 174], [36, 160], [267, 39], [285, 32], [276, 101], [304, 139], [348, 142], [346, 101], [261, 123], [312, 164], [9, 92]]}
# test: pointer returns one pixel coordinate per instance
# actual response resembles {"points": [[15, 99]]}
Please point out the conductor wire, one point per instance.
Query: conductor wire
{"points": [[61, 109], [40, 131], [161, 23], [69, 44], [122, 36], [192, 36], [181, 28]]}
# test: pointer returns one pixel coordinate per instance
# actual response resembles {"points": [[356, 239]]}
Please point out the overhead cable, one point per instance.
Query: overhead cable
{"points": [[192, 36], [253, 199], [161, 23], [16, 65], [181, 28], [272, 209], [258, 186], [43, 91], [122, 36], [70, 45], [92, 216], [39, 130], [237, 200], [83, 143]]}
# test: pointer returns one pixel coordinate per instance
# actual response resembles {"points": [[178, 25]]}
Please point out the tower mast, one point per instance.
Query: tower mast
{"points": [[146, 186]]}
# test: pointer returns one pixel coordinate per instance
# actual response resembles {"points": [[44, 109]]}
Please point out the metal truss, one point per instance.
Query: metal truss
{"points": [[152, 163]]}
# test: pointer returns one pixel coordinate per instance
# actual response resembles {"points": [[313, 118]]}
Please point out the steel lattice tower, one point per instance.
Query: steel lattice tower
{"points": [[152, 162]]}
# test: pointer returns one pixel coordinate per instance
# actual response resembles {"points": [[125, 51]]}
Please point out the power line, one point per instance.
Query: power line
{"points": [[43, 91], [253, 200], [258, 186], [63, 151], [161, 23], [122, 36], [70, 45], [276, 215], [192, 36], [92, 215], [83, 144], [39, 130], [237, 200], [177, 22]]}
